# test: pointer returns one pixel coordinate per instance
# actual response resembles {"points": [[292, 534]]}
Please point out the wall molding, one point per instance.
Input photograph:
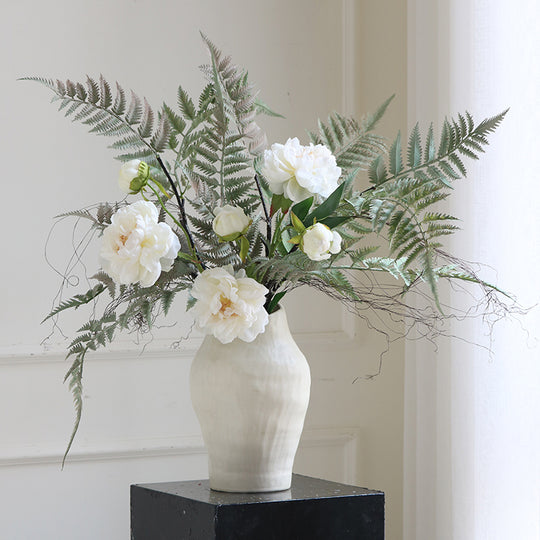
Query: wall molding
{"points": [[345, 438], [163, 348], [46, 454]]}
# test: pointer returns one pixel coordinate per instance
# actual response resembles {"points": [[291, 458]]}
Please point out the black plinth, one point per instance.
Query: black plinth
{"points": [[311, 510]]}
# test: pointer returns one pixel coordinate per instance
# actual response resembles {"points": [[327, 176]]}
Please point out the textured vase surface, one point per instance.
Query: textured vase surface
{"points": [[251, 400]]}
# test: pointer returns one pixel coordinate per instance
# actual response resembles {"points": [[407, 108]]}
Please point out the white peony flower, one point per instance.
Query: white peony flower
{"points": [[300, 171], [229, 307], [128, 172], [230, 221], [136, 248], [318, 241]]}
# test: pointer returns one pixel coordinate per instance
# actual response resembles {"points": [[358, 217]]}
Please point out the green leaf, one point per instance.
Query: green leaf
{"points": [[274, 303], [301, 209], [279, 202], [295, 239], [327, 207], [335, 221], [186, 257], [230, 237], [297, 223], [244, 248]]}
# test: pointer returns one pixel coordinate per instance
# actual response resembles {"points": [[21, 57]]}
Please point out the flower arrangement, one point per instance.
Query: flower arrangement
{"points": [[209, 209]]}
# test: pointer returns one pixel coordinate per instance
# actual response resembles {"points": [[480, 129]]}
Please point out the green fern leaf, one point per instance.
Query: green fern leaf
{"points": [[76, 388], [105, 94], [186, 104], [93, 90], [161, 136], [429, 151], [77, 301], [119, 105], [395, 156], [145, 129], [414, 149], [107, 281], [177, 123], [371, 120], [166, 300], [377, 171], [135, 110]]}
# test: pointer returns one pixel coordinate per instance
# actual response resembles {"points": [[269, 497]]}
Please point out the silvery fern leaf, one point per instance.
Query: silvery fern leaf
{"points": [[93, 103]]}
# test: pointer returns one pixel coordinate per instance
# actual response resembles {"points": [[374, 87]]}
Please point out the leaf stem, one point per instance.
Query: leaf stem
{"points": [[194, 254], [277, 234], [181, 204], [266, 215]]}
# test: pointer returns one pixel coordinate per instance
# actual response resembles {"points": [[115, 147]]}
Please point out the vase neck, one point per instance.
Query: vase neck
{"points": [[277, 325]]}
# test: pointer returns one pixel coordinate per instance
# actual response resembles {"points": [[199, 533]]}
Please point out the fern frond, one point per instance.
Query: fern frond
{"points": [[235, 98], [371, 120], [351, 143], [186, 104], [83, 213], [107, 280], [394, 267], [75, 375], [77, 301], [451, 272], [93, 104], [458, 137], [95, 333]]}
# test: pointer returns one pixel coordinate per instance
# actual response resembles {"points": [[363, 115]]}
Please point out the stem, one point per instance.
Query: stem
{"points": [[266, 216], [221, 171], [279, 221], [194, 254], [183, 218]]}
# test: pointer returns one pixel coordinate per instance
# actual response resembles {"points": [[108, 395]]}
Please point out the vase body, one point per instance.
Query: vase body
{"points": [[251, 400]]}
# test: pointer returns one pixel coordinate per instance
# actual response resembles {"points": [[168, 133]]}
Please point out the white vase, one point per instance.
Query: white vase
{"points": [[251, 400]]}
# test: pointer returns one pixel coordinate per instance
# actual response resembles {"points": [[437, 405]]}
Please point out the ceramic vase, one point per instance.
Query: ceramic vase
{"points": [[251, 400]]}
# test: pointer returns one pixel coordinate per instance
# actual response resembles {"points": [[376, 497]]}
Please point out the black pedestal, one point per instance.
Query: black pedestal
{"points": [[311, 510]]}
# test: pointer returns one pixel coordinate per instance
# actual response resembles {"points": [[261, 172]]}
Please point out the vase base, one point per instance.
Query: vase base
{"points": [[230, 484], [253, 490]]}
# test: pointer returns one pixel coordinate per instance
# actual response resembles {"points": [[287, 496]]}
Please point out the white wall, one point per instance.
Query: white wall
{"points": [[138, 424], [471, 427]]}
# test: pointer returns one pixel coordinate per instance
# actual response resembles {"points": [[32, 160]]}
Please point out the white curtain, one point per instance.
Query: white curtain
{"points": [[472, 420]]}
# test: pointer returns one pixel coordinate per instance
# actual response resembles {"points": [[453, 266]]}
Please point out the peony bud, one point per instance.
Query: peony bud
{"points": [[319, 241], [133, 176], [230, 222]]}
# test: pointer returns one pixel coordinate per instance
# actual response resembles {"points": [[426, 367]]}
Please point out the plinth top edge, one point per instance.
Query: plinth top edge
{"points": [[302, 488]]}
